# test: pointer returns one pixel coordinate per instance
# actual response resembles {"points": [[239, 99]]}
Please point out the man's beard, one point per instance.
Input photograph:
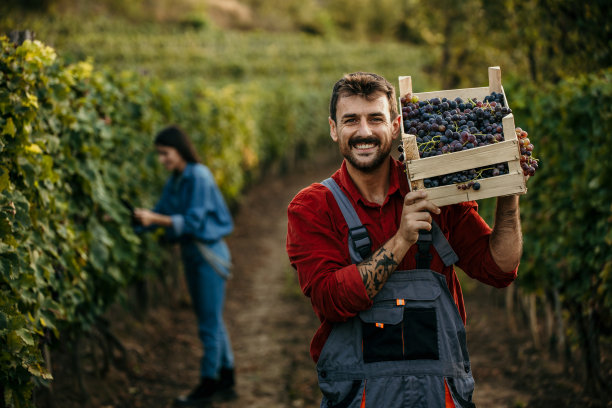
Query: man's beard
{"points": [[380, 158]]}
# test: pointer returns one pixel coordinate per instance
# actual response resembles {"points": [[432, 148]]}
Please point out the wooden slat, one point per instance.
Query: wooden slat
{"points": [[508, 125], [507, 184], [499, 186], [494, 79], [405, 85], [446, 195], [411, 152], [510, 134], [464, 160], [399, 103], [464, 94]]}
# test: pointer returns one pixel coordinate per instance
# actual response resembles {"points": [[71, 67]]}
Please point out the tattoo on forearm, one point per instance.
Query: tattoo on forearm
{"points": [[376, 270]]}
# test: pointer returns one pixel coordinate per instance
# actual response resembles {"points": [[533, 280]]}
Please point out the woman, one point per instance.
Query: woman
{"points": [[194, 214]]}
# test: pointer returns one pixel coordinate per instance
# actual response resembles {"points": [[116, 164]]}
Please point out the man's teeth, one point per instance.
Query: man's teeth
{"points": [[364, 145]]}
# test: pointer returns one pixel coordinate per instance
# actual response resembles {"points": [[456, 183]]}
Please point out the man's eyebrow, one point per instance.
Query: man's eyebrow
{"points": [[354, 115]]}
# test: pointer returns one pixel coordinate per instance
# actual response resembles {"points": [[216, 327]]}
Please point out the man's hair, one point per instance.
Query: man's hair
{"points": [[364, 84], [174, 136]]}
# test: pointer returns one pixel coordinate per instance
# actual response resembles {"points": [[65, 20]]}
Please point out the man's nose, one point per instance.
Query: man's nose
{"points": [[364, 128]]}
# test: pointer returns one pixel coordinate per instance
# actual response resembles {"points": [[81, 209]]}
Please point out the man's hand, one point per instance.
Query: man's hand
{"points": [[376, 269], [416, 215]]}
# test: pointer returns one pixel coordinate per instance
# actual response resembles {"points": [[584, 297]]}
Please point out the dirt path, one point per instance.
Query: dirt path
{"points": [[271, 324], [272, 327]]}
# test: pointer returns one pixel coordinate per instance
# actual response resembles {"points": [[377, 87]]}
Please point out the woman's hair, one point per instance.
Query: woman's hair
{"points": [[174, 136]]}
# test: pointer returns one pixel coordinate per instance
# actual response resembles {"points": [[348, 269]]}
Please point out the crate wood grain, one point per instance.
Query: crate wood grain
{"points": [[418, 169]]}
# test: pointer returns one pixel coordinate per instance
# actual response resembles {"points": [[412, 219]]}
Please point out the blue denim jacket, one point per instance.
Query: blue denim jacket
{"points": [[196, 206]]}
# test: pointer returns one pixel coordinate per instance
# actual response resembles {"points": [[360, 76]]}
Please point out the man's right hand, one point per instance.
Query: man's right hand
{"points": [[415, 216]]}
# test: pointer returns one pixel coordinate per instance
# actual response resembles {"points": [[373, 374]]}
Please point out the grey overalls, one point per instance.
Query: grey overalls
{"points": [[399, 352]]}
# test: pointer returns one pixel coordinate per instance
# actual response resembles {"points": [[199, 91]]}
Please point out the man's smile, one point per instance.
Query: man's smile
{"points": [[363, 145]]}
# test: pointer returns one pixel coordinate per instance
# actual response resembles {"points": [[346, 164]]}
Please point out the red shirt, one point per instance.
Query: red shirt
{"points": [[317, 245]]}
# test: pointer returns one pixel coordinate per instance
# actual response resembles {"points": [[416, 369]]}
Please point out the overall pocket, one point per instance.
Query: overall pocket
{"points": [[399, 334], [402, 324], [420, 334], [382, 334]]}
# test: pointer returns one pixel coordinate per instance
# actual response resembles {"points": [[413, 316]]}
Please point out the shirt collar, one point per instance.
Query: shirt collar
{"points": [[397, 182]]}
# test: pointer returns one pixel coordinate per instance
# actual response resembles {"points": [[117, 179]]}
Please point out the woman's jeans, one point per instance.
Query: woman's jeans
{"points": [[207, 290]]}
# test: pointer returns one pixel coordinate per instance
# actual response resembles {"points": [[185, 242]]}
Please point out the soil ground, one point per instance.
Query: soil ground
{"points": [[271, 324]]}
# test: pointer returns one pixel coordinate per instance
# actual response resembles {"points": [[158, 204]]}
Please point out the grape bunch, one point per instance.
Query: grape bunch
{"points": [[445, 126], [529, 164]]}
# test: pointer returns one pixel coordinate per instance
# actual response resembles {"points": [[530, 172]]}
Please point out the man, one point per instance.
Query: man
{"points": [[390, 336]]}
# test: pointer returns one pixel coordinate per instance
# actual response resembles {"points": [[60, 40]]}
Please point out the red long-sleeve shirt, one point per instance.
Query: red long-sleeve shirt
{"points": [[317, 245]]}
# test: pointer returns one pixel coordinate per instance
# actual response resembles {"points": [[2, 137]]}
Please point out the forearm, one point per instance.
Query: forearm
{"points": [[377, 268], [162, 220], [506, 241]]}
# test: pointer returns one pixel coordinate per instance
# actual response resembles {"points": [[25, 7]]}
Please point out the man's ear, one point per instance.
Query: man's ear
{"points": [[396, 126], [332, 130]]}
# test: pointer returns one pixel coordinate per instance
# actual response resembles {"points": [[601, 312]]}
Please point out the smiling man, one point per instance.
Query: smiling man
{"points": [[377, 260]]}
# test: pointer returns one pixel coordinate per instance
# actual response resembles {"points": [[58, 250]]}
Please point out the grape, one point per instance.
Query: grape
{"points": [[528, 163]]}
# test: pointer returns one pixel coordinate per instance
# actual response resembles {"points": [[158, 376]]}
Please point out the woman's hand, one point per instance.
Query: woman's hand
{"points": [[145, 217]]}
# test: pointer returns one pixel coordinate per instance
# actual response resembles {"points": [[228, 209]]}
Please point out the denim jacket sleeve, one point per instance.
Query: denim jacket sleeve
{"points": [[204, 214], [196, 206], [191, 220]]}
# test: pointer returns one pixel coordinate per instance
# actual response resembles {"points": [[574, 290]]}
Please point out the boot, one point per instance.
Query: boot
{"points": [[226, 378], [201, 394]]}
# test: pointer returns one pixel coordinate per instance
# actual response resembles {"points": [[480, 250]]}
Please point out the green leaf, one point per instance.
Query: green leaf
{"points": [[4, 180], [9, 128], [25, 336]]}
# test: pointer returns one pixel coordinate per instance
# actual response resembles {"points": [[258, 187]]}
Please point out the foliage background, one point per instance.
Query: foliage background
{"points": [[76, 130]]}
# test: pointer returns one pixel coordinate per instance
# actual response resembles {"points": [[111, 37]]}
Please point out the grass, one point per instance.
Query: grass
{"points": [[174, 53]]}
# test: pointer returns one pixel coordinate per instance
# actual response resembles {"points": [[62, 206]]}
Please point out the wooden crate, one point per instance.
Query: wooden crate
{"points": [[506, 151]]}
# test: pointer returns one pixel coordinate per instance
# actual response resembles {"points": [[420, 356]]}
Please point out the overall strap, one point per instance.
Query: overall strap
{"points": [[423, 257], [443, 247], [436, 238], [360, 245]]}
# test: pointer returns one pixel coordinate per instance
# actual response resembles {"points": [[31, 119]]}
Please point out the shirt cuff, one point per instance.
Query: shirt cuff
{"points": [[500, 278], [178, 224], [354, 292]]}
